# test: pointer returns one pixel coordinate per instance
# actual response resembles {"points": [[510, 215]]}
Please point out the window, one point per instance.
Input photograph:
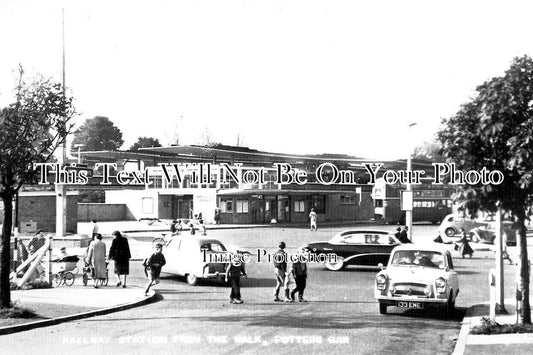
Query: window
{"points": [[212, 247], [319, 204], [148, 205], [242, 206], [226, 205], [348, 199], [378, 203], [299, 206]]}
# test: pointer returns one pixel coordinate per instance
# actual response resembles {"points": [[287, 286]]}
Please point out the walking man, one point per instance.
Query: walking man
{"points": [[299, 271], [280, 270]]}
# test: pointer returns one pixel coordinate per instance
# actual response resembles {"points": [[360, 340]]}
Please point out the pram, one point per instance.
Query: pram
{"points": [[64, 270], [88, 274]]}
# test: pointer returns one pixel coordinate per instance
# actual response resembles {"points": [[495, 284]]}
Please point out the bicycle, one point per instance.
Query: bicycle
{"points": [[64, 271], [64, 277]]}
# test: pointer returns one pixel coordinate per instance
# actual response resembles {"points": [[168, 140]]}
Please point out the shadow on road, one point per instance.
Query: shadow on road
{"points": [[328, 322]]}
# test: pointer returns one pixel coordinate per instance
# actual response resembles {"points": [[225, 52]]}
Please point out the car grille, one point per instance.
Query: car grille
{"points": [[409, 289]]}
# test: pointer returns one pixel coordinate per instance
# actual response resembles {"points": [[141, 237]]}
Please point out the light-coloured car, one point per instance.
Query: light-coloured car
{"points": [[418, 276], [487, 234], [193, 258], [452, 223]]}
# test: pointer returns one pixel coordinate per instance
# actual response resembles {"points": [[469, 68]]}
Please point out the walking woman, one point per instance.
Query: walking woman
{"points": [[120, 253], [464, 246], [96, 257]]}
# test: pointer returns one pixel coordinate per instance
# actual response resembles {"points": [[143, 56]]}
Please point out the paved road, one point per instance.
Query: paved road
{"points": [[342, 315]]}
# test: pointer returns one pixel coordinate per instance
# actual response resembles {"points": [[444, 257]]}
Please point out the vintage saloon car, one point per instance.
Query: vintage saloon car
{"points": [[452, 223], [356, 247], [185, 257], [419, 277], [487, 234]]}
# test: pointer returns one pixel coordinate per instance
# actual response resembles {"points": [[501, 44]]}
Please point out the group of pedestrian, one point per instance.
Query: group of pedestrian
{"points": [[176, 228], [282, 273], [401, 235], [96, 258]]}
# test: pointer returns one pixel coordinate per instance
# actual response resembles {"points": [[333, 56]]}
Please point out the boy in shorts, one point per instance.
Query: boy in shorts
{"points": [[153, 266]]}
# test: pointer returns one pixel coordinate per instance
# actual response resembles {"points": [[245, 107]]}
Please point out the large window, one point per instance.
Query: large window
{"points": [[226, 205], [299, 206], [242, 206], [348, 199], [148, 205]]}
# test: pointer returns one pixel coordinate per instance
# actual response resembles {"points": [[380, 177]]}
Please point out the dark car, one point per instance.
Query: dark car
{"points": [[357, 247]]}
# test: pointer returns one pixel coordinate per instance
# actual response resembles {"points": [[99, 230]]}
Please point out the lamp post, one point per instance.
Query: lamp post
{"points": [[409, 212], [78, 146]]}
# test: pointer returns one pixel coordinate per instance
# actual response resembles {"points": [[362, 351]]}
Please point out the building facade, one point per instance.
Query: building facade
{"points": [[246, 186]]}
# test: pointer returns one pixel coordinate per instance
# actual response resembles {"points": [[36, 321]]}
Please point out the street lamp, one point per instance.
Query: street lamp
{"points": [[409, 212]]}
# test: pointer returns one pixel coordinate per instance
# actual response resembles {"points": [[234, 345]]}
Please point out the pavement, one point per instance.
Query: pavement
{"points": [[63, 304], [492, 344]]}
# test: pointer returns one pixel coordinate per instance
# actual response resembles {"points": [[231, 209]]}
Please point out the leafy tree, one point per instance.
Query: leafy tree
{"points": [[145, 142], [98, 133], [495, 130], [428, 151], [31, 129]]}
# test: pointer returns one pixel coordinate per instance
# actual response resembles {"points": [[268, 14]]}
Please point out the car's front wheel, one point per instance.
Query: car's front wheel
{"points": [[450, 232], [192, 279], [335, 266], [382, 308]]}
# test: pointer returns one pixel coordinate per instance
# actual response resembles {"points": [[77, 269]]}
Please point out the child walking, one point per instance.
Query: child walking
{"points": [[233, 275], [153, 265]]}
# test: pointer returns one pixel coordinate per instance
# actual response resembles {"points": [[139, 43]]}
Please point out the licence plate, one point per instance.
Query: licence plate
{"points": [[415, 305]]}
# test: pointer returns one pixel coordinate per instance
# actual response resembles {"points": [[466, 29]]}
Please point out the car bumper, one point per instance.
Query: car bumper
{"points": [[391, 301]]}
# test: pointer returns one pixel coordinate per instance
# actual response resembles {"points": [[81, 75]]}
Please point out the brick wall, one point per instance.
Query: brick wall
{"points": [[42, 210], [104, 212]]}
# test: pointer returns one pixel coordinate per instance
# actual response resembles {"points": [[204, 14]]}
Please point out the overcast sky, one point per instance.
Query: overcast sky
{"points": [[305, 76]]}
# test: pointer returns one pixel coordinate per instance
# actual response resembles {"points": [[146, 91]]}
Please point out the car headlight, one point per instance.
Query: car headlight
{"points": [[427, 291], [440, 285], [381, 282]]}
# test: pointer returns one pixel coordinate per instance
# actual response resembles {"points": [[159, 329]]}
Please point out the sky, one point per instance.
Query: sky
{"points": [[301, 77]]}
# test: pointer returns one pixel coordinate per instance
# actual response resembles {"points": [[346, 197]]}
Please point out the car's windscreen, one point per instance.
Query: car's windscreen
{"points": [[212, 247], [418, 258]]}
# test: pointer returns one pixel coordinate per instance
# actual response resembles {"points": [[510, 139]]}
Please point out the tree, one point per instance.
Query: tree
{"points": [[31, 129], [98, 133], [495, 131], [145, 142], [429, 151]]}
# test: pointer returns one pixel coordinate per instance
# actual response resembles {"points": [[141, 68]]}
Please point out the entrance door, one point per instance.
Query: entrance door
{"points": [[270, 209], [258, 210], [283, 210]]}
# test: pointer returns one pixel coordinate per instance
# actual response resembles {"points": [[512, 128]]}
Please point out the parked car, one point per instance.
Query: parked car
{"points": [[452, 223], [190, 257], [356, 247], [487, 234], [418, 277]]}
